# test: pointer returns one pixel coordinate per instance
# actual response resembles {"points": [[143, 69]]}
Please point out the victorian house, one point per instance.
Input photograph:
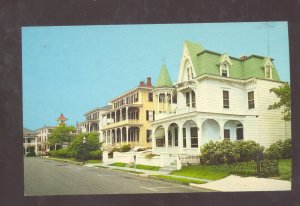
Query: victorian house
{"points": [[128, 120], [216, 97]]}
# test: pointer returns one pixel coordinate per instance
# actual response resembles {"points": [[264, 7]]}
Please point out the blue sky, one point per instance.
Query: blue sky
{"points": [[73, 69]]}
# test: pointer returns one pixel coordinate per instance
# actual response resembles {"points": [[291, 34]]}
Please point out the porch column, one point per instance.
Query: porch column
{"points": [[199, 135], [180, 138], [173, 137], [126, 116], [36, 147], [121, 134], [166, 137], [190, 99], [221, 124], [165, 102], [188, 136], [153, 138], [127, 134]]}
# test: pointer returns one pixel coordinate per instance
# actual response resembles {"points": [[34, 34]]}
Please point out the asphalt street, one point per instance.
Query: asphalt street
{"points": [[48, 177]]}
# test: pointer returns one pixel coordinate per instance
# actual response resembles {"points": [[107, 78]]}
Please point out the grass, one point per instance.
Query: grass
{"points": [[203, 171], [146, 167], [93, 161], [73, 160], [212, 172], [138, 166], [176, 179], [118, 164], [285, 168]]}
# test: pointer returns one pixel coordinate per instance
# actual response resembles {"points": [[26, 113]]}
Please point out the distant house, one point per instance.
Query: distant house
{"points": [[216, 97], [30, 142]]}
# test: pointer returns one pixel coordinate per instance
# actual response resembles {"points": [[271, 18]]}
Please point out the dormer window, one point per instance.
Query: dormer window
{"points": [[268, 66], [224, 69], [268, 72], [224, 63]]}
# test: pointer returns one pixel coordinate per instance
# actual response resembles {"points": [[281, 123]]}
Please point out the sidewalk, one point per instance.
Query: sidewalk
{"points": [[235, 183], [145, 173], [231, 183]]}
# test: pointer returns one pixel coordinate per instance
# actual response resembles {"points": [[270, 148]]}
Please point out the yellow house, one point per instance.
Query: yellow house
{"points": [[128, 121]]}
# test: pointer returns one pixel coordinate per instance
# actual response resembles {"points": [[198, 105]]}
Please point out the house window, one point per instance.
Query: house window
{"points": [[226, 134], [184, 136], [174, 98], [161, 98], [268, 72], [150, 97], [193, 99], [224, 67], [251, 100], [187, 99], [225, 99], [149, 115], [194, 137], [149, 133]]}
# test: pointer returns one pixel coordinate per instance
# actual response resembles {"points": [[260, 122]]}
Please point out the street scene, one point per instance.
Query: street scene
{"points": [[133, 109], [48, 177]]}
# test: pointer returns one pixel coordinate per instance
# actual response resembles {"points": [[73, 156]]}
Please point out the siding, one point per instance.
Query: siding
{"points": [[271, 126]]}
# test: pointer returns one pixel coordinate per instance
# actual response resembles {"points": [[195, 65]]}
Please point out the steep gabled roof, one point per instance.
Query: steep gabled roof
{"points": [[194, 49], [164, 79]]}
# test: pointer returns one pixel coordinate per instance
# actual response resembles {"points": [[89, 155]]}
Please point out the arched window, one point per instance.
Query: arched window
{"points": [[224, 69], [188, 71], [268, 72]]}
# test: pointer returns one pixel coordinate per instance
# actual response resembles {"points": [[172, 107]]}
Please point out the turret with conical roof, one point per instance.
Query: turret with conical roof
{"points": [[164, 92], [61, 119], [164, 79]]}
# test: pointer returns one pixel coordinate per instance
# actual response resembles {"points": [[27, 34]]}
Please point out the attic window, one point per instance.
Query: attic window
{"points": [[224, 69], [268, 72], [188, 71]]}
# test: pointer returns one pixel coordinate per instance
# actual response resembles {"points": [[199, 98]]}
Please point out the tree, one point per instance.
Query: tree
{"points": [[284, 94], [91, 144], [61, 134]]}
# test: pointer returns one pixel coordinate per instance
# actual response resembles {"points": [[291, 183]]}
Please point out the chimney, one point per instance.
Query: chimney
{"points": [[148, 84], [142, 84], [243, 58]]}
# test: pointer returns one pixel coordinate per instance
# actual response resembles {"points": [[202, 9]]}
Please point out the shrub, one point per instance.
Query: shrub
{"points": [[149, 156], [125, 148], [248, 150], [31, 154], [94, 155], [227, 152], [219, 152], [61, 153], [280, 150]]}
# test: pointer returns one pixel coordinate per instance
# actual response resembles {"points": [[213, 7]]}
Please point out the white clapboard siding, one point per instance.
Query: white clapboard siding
{"points": [[271, 126]]}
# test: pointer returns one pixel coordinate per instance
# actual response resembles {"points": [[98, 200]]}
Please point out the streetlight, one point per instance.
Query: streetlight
{"points": [[83, 142]]}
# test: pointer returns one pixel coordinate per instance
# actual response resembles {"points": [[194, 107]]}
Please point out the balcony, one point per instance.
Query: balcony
{"points": [[128, 122], [185, 110]]}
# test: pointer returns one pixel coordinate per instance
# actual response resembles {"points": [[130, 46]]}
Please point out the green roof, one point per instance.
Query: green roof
{"points": [[208, 62], [164, 79]]}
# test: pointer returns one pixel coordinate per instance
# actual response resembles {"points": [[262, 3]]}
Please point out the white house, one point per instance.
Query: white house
{"points": [[93, 122], [216, 97]]}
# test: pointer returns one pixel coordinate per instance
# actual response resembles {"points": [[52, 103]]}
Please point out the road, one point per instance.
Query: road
{"points": [[48, 177]]}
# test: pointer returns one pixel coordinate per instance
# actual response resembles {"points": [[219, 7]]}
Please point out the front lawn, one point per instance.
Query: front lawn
{"points": [[212, 172], [285, 168], [138, 166], [209, 172], [177, 179]]}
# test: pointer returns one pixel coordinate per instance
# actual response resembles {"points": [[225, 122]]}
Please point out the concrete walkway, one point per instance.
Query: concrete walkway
{"points": [[231, 183], [235, 183]]}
